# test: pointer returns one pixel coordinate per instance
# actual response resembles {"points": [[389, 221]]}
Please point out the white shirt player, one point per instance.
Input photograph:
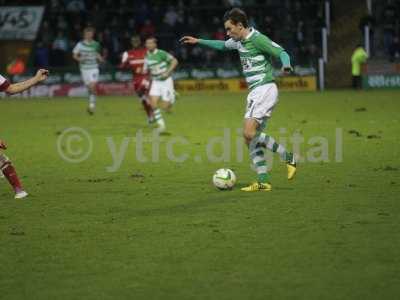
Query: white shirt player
{"points": [[89, 52]]}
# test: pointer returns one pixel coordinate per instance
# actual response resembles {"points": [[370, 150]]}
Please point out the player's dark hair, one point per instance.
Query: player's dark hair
{"points": [[151, 38], [88, 28], [236, 15]]}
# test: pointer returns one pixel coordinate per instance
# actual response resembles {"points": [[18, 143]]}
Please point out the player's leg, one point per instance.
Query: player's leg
{"points": [[9, 172], [257, 155], [155, 95], [261, 102], [268, 142], [144, 98], [168, 95], [165, 105], [90, 78], [269, 100], [92, 97], [354, 82]]}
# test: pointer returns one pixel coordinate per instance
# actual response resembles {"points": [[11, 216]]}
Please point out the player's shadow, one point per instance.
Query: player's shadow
{"points": [[165, 133], [239, 186]]}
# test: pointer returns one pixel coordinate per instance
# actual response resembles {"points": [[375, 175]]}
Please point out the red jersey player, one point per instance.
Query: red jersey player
{"points": [[134, 59], [6, 166]]}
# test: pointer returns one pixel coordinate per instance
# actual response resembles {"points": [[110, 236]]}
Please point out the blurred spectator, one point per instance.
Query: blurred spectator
{"points": [[171, 17], [41, 55], [219, 34], [148, 29], [302, 56], [55, 5], [300, 33], [62, 23], [74, 5], [299, 24], [269, 28], [389, 25], [46, 33], [142, 12], [209, 58], [318, 24], [59, 50], [394, 50], [17, 66], [232, 3]]}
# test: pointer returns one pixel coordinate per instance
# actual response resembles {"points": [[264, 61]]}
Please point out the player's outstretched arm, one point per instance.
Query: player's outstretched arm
{"points": [[214, 44], [76, 56], [189, 40], [40, 76], [173, 65], [171, 68], [265, 45], [100, 58], [286, 65]]}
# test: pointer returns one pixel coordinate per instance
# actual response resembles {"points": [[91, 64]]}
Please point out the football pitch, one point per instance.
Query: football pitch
{"points": [[117, 213]]}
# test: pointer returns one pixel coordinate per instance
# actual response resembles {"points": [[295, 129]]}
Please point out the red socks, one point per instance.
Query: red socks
{"points": [[148, 109], [10, 173]]}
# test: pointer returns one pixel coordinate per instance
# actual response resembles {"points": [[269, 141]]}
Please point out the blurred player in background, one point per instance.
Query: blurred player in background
{"points": [[6, 167], [87, 54], [134, 59], [161, 64], [255, 51]]}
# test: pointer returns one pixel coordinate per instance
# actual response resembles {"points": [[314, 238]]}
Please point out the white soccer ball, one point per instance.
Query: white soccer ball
{"points": [[224, 179]]}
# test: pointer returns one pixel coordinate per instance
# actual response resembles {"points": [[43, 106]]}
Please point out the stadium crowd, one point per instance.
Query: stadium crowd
{"points": [[384, 26], [116, 21]]}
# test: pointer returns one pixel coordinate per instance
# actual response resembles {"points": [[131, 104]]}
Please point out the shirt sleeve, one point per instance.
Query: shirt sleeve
{"points": [[168, 57], [76, 49], [213, 44], [98, 47], [4, 84], [231, 44], [265, 45], [124, 57]]}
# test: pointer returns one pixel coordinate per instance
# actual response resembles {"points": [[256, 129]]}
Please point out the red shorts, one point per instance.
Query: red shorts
{"points": [[141, 84]]}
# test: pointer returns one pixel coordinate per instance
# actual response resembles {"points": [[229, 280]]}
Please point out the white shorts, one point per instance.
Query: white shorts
{"points": [[164, 89], [261, 102], [90, 75]]}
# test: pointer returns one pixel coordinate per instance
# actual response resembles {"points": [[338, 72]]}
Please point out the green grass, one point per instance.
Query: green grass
{"points": [[162, 231]]}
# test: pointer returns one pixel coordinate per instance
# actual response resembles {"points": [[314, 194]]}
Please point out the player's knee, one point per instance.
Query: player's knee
{"points": [[248, 135], [153, 102], [92, 88], [165, 105]]}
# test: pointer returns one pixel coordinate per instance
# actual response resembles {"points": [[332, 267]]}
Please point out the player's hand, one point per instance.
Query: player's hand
{"points": [[42, 75], [3, 145], [101, 59], [189, 40], [165, 75], [287, 70]]}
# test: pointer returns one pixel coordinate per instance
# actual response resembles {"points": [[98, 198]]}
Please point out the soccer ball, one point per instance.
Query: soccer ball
{"points": [[224, 179]]}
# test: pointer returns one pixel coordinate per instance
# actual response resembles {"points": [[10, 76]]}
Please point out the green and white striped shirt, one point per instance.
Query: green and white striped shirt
{"points": [[88, 53], [256, 52], [158, 63]]}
